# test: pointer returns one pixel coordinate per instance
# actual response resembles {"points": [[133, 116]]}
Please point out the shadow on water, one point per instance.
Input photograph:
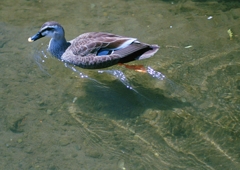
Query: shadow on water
{"points": [[120, 102]]}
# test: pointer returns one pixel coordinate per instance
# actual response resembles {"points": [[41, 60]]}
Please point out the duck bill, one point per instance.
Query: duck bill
{"points": [[35, 37]]}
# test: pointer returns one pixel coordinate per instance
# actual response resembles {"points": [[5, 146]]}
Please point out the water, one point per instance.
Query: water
{"points": [[182, 114]]}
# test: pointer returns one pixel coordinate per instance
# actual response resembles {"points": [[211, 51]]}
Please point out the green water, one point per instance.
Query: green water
{"points": [[188, 121]]}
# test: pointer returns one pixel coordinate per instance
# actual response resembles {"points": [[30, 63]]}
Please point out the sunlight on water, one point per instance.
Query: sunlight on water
{"points": [[155, 74], [80, 74], [119, 75]]}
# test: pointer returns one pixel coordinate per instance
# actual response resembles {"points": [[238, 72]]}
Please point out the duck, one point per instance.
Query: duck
{"points": [[93, 50]]}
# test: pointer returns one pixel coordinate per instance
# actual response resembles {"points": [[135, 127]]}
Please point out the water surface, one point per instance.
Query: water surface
{"points": [[53, 118]]}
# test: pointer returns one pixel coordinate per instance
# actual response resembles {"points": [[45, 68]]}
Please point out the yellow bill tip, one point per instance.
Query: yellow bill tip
{"points": [[30, 39]]}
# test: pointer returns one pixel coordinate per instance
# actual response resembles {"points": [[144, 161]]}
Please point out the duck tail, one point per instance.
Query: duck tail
{"points": [[136, 51], [152, 50]]}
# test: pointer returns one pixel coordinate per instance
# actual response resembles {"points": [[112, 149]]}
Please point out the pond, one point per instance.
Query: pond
{"points": [[183, 113]]}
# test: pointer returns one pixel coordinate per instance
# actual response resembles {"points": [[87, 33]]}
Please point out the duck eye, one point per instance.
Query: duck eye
{"points": [[46, 31], [49, 29]]}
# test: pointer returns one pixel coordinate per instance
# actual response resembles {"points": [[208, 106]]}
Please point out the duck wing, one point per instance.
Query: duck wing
{"points": [[99, 43], [100, 50]]}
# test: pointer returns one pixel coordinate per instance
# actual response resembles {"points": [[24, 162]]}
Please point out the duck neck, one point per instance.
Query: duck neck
{"points": [[57, 47]]}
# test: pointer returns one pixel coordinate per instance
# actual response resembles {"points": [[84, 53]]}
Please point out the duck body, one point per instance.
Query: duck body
{"points": [[93, 50]]}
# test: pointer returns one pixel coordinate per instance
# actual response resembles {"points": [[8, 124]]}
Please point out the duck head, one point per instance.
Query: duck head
{"points": [[50, 29]]}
